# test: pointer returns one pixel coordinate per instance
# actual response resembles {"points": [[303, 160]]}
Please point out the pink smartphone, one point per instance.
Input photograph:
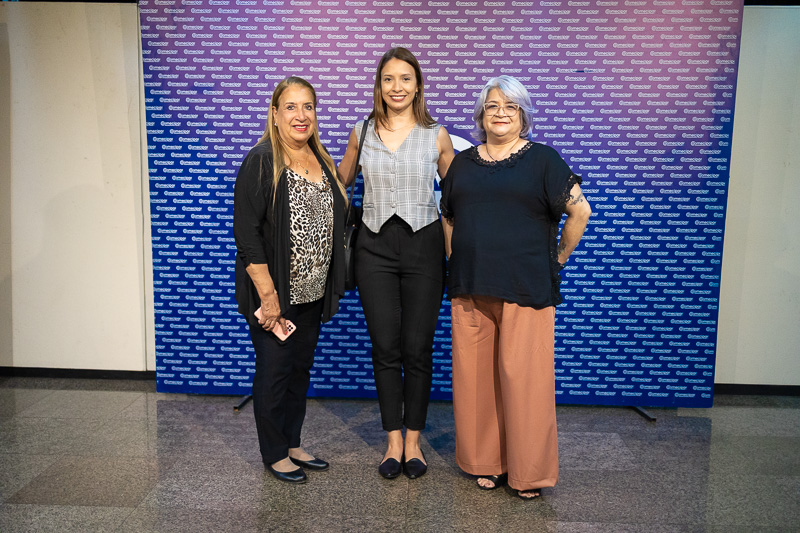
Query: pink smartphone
{"points": [[276, 329]]}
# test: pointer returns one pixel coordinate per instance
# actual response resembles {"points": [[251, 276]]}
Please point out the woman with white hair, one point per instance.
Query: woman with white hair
{"points": [[502, 202]]}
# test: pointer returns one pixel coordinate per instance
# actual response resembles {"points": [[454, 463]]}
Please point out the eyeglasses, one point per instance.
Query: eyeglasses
{"points": [[509, 109]]}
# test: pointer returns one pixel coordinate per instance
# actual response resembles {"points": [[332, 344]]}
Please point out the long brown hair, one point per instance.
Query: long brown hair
{"points": [[421, 114], [279, 149]]}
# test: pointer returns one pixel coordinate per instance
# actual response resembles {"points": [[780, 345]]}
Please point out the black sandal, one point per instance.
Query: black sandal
{"points": [[538, 494], [498, 481]]}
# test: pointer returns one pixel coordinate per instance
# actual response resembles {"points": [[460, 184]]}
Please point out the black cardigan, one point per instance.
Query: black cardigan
{"points": [[262, 234]]}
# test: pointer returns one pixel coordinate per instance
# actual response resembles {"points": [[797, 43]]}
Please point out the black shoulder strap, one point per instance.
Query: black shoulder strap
{"points": [[358, 157]]}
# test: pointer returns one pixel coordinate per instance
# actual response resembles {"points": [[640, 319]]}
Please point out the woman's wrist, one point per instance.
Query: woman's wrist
{"points": [[268, 294]]}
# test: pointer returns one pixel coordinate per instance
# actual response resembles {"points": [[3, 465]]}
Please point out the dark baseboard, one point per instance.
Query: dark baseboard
{"points": [[760, 390], [75, 373], [771, 2]]}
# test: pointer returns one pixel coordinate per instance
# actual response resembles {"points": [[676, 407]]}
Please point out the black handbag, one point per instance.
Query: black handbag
{"points": [[353, 223]]}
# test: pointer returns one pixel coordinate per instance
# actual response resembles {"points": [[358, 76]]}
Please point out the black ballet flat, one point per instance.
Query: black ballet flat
{"points": [[295, 476], [314, 464], [415, 468], [390, 468], [498, 481]]}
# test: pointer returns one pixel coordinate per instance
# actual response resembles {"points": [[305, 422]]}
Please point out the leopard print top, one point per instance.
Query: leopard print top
{"points": [[311, 229]]}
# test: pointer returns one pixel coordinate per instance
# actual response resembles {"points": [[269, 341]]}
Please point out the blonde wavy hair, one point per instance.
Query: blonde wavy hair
{"points": [[272, 136]]}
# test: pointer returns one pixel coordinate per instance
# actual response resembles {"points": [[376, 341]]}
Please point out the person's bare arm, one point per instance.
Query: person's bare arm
{"points": [[447, 225], [578, 212], [345, 169], [446, 151]]}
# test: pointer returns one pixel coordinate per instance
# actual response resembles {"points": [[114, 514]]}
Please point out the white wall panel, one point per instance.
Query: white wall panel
{"points": [[76, 238], [759, 320]]}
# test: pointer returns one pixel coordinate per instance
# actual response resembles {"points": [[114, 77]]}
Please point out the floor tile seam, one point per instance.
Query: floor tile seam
{"points": [[63, 418], [57, 455], [145, 507], [75, 458], [107, 455], [18, 387], [157, 422], [163, 464], [759, 527], [634, 523], [63, 459], [133, 401], [204, 506], [648, 520], [772, 478], [44, 396], [571, 470], [50, 393], [109, 420], [53, 390], [726, 433], [19, 505], [11, 505], [124, 519]]}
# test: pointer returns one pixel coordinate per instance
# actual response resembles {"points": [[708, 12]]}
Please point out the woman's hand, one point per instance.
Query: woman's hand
{"points": [[271, 312], [270, 305]]}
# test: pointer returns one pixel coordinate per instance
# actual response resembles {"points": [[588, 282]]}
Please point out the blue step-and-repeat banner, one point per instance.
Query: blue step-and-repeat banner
{"points": [[637, 96]]}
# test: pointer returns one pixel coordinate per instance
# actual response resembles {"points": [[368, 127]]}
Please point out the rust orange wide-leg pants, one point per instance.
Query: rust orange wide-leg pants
{"points": [[504, 390]]}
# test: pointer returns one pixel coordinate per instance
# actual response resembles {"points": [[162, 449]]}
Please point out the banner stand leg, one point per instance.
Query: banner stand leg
{"points": [[644, 413], [245, 399]]}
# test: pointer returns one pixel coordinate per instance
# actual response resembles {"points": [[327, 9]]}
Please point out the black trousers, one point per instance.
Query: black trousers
{"points": [[281, 381], [400, 275]]}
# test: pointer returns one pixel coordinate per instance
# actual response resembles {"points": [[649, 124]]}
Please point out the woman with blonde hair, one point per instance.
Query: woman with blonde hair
{"points": [[288, 223]]}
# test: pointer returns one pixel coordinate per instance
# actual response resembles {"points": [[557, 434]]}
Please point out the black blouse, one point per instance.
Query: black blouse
{"points": [[261, 229], [505, 218]]}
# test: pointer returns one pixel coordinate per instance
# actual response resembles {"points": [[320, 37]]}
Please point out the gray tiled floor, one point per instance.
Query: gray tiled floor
{"points": [[104, 455]]}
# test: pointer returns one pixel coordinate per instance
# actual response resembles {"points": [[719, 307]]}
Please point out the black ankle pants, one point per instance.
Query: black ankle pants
{"points": [[400, 275], [281, 380]]}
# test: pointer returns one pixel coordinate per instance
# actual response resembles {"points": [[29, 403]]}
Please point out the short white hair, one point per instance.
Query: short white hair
{"points": [[514, 91]]}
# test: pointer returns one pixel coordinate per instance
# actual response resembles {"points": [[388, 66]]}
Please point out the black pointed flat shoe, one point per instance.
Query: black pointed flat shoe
{"points": [[498, 481], [314, 464], [415, 468], [390, 468], [295, 476]]}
